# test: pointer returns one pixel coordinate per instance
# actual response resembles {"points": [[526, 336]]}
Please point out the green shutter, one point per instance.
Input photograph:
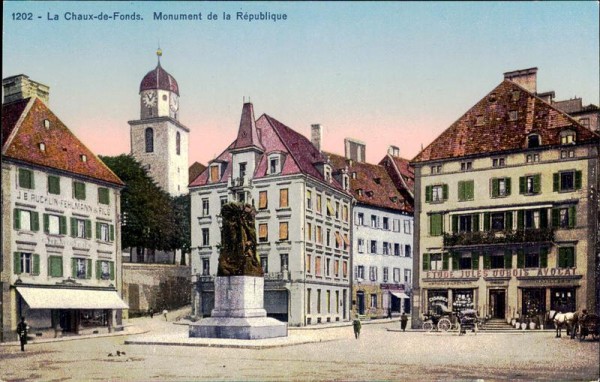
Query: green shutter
{"points": [[507, 186], [470, 190], [62, 221], [73, 227], [445, 191], [522, 185], [486, 221], [17, 263], [475, 260], [445, 261], [543, 218], [461, 191], [36, 264], [572, 217], [495, 188], [55, 266], [508, 221], [88, 229], [454, 223], [88, 269], [487, 261], [46, 223], [98, 275], [555, 217], [475, 222], [426, 261], [543, 257], [520, 258], [74, 268], [577, 180], [17, 215], [520, 219], [112, 232], [53, 184], [23, 179], [537, 183], [555, 182], [436, 226], [507, 259], [35, 221], [428, 194], [98, 230], [455, 259], [112, 270]]}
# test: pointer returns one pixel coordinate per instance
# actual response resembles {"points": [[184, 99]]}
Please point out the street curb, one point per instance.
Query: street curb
{"points": [[76, 338], [225, 345]]}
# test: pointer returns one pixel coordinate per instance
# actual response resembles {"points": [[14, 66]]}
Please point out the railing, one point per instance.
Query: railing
{"points": [[499, 237]]}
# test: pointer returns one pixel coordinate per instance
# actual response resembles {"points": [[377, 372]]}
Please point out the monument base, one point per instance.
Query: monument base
{"points": [[238, 312]]}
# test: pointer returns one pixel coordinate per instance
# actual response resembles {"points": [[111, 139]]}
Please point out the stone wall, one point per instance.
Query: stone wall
{"points": [[156, 286]]}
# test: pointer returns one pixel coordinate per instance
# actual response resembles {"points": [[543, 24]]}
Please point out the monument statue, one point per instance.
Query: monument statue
{"points": [[238, 255]]}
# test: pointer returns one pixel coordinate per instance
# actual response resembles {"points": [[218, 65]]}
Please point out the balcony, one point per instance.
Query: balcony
{"points": [[498, 237]]}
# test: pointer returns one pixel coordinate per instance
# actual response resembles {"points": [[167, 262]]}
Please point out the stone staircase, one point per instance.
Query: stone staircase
{"points": [[497, 324]]}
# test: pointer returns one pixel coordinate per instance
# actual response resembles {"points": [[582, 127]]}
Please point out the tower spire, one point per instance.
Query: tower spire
{"points": [[158, 53]]}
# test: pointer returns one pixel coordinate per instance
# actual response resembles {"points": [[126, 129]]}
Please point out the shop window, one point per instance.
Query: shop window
{"points": [[437, 301], [462, 299], [563, 299], [534, 302]]}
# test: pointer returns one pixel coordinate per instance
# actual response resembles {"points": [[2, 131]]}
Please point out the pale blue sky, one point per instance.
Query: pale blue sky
{"points": [[384, 73]]}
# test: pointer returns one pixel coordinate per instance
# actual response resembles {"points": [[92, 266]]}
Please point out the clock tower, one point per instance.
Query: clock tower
{"points": [[158, 140]]}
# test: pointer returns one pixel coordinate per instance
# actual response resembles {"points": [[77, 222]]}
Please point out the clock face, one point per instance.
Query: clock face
{"points": [[174, 102], [149, 99]]}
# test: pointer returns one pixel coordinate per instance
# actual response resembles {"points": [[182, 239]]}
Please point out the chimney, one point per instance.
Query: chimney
{"points": [[394, 151], [355, 150], [20, 87], [316, 135], [526, 78]]}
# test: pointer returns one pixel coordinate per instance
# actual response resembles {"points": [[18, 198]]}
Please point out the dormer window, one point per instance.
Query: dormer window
{"points": [[46, 123], [42, 146], [327, 173], [479, 120], [275, 163], [377, 180], [215, 172], [353, 174], [533, 141], [345, 182], [567, 137], [516, 95], [513, 115], [359, 192], [370, 194], [83, 158]]}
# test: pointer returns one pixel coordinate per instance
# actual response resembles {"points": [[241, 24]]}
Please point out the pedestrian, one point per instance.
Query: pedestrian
{"points": [[165, 314], [151, 312], [22, 333], [403, 321], [389, 315], [356, 325]]}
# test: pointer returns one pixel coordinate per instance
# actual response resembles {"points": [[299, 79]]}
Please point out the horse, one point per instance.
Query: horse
{"points": [[568, 320]]}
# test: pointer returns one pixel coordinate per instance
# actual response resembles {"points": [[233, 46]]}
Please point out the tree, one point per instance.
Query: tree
{"points": [[183, 237]]}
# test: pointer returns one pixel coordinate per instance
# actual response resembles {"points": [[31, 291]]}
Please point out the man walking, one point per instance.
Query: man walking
{"points": [[356, 325], [22, 333], [403, 321]]}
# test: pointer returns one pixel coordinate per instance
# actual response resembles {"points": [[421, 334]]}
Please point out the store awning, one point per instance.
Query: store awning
{"points": [[55, 298], [399, 294]]}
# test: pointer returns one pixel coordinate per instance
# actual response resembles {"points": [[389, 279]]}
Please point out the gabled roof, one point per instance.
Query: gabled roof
{"points": [[499, 134], [371, 184], [402, 169], [195, 169], [23, 129]]}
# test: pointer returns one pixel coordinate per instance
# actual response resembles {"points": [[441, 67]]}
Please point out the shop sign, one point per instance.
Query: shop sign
{"points": [[50, 201], [519, 272]]}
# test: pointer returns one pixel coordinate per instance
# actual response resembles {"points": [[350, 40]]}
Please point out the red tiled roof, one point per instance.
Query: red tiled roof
{"points": [[376, 186], [404, 169], [497, 133], [63, 150], [247, 134], [195, 169], [158, 78]]}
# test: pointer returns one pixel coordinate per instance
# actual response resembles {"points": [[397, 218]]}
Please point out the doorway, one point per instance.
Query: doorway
{"points": [[497, 303], [360, 302]]}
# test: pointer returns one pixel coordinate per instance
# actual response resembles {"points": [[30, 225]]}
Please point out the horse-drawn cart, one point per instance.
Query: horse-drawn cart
{"points": [[468, 321], [589, 326], [440, 318]]}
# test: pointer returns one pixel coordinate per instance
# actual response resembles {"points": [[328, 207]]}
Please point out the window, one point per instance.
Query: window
{"points": [[284, 262], [149, 135], [465, 223], [497, 220], [374, 246], [223, 201], [407, 276], [437, 193], [318, 266], [407, 250], [373, 301], [81, 268], [513, 115], [319, 203], [327, 267], [319, 234], [308, 263], [205, 237], [361, 245], [337, 210], [264, 263], [566, 257], [328, 300], [328, 237], [309, 199], [283, 231], [386, 223], [435, 262], [360, 272], [214, 173], [105, 231], [567, 137], [345, 213], [497, 261], [262, 200], [308, 290], [465, 190], [530, 184], [437, 169], [205, 267], [274, 165], [407, 227], [105, 270], [585, 122], [26, 179], [360, 218], [533, 141], [263, 232], [103, 195], [53, 185], [532, 218], [26, 263], [396, 249], [329, 207], [318, 301], [436, 227], [532, 259], [387, 248], [55, 266], [479, 120], [241, 197], [498, 162], [345, 269], [242, 170], [374, 221], [373, 273], [466, 166], [309, 231], [79, 190], [283, 198], [564, 217], [205, 207], [396, 275], [81, 228], [26, 220], [530, 158], [564, 154], [566, 181], [500, 187]]}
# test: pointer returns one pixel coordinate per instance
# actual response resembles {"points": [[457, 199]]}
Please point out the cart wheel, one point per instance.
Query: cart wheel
{"points": [[444, 324], [428, 326]]}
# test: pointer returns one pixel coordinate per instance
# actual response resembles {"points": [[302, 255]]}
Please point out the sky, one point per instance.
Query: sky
{"points": [[385, 73]]}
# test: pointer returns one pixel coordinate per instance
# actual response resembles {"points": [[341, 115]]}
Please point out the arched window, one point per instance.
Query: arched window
{"points": [[178, 143], [149, 140]]}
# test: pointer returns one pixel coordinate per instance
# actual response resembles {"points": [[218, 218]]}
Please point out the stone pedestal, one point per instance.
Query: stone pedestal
{"points": [[239, 312]]}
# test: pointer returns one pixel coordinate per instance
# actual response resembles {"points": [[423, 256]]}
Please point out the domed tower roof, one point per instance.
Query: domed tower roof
{"points": [[158, 78]]}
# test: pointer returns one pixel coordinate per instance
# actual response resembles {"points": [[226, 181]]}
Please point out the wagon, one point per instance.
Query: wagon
{"points": [[589, 326], [439, 318]]}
